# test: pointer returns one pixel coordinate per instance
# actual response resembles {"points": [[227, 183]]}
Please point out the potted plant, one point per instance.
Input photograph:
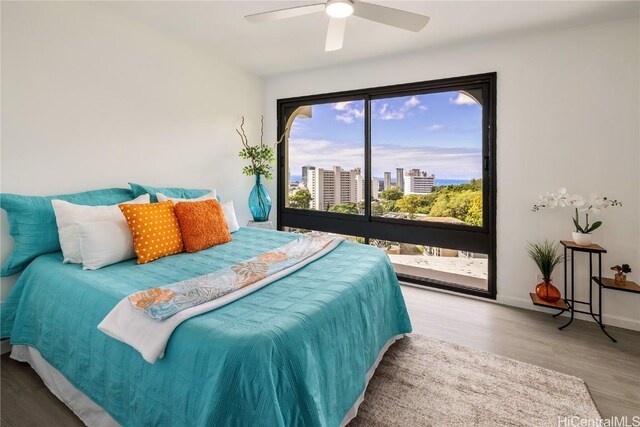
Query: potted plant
{"points": [[621, 273], [261, 157], [582, 236], [545, 255]]}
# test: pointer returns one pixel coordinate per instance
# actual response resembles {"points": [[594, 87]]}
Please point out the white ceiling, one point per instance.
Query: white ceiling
{"points": [[298, 43]]}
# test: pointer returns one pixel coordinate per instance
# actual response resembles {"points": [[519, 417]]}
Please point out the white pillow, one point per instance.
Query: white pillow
{"points": [[209, 196], [104, 243], [230, 216], [227, 207], [68, 215]]}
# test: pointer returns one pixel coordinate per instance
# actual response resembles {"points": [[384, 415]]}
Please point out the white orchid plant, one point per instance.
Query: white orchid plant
{"points": [[594, 204]]}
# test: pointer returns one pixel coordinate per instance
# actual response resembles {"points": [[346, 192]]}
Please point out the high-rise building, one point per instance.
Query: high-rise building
{"points": [[417, 182], [400, 178], [387, 180], [305, 173], [331, 186], [360, 191], [346, 185]]}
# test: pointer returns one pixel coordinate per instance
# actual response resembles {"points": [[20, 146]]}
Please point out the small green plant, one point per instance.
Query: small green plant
{"points": [[260, 155], [624, 268], [587, 228], [545, 255]]}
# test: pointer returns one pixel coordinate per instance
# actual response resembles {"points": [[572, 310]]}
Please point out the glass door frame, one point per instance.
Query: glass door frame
{"points": [[455, 236]]}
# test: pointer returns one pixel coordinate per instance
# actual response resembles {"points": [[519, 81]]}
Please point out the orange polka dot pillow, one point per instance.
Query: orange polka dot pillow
{"points": [[202, 224], [155, 230]]}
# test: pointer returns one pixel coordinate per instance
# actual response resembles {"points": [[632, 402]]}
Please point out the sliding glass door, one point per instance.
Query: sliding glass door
{"points": [[407, 168]]}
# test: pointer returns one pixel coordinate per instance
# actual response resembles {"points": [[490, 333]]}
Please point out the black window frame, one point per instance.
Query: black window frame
{"points": [[455, 236]]}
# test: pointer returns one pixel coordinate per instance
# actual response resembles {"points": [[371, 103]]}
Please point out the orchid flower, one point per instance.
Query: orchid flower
{"points": [[563, 199]]}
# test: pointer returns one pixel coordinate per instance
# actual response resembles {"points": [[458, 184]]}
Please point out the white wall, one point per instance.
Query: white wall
{"points": [[567, 115], [91, 100]]}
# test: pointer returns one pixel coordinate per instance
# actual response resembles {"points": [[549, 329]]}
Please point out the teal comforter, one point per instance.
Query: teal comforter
{"points": [[293, 353]]}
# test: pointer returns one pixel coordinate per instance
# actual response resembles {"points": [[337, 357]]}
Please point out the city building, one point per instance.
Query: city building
{"points": [[400, 178], [387, 180], [331, 186], [375, 185], [305, 173], [418, 182]]}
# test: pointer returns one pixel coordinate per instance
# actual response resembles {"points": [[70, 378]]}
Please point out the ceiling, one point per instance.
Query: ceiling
{"points": [[298, 43]]}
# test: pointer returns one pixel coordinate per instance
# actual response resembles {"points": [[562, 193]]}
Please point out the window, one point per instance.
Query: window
{"points": [[426, 157], [409, 168], [325, 158]]}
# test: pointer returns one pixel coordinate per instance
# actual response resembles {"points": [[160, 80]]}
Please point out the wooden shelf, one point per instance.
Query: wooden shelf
{"points": [[609, 283], [559, 305], [593, 248]]}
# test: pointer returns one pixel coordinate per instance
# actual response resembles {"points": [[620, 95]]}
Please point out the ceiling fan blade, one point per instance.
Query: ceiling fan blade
{"points": [[335, 34], [389, 16], [286, 13]]}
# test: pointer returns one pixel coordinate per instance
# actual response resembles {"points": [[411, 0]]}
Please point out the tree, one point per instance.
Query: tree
{"points": [[416, 203], [301, 199], [346, 208], [409, 204], [391, 193], [378, 208], [465, 205], [474, 214]]}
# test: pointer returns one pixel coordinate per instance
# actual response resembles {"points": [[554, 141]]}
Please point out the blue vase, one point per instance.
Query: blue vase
{"points": [[259, 202]]}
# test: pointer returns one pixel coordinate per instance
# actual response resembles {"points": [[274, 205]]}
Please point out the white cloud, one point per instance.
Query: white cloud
{"points": [[463, 99], [386, 112], [323, 154], [345, 118], [412, 102], [451, 163], [350, 112], [435, 127], [341, 106]]}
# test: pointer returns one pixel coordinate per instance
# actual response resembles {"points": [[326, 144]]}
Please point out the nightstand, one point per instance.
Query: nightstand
{"points": [[267, 225]]}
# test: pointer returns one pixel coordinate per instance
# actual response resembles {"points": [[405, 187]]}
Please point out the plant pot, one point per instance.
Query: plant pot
{"points": [[259, 202], [582, 239], [620, 278], [547, 292]]}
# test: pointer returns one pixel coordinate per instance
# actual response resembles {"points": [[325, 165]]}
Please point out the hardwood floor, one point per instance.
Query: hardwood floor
{"points": [[612, 371]]}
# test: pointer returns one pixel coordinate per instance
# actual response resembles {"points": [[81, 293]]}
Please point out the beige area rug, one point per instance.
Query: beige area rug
{"points": [[428, 382]]}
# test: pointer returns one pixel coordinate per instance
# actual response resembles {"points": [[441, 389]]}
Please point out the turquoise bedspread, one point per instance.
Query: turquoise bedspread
{"points": [[293, 353]]}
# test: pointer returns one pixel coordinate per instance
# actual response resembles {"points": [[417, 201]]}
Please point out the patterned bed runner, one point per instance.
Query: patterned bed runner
{"points": [[163, 302]]}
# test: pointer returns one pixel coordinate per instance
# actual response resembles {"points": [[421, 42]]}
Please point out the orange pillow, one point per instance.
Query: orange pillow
{"points": [[155, 230], [202, 224]]}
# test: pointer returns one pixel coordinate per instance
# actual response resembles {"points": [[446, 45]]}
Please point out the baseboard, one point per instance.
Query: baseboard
{"points": [[5, 347], [609, 319]]}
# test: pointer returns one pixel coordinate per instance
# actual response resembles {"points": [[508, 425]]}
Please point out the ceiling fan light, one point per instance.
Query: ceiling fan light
{"points": [[339, 9]]}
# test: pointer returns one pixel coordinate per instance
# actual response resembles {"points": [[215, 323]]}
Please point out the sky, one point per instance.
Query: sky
{"points": [[440, 133]]}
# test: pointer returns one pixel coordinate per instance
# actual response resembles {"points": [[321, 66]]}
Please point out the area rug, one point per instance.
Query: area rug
{"points": [[424, 381]]}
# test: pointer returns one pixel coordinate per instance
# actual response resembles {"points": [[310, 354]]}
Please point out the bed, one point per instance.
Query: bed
{"points": [[298, 352]]}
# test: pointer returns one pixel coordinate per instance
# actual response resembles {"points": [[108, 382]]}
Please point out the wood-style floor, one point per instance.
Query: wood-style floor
{"points": [[612, 371]]}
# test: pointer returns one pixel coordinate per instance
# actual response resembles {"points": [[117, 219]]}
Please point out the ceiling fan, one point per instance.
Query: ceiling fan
{"points": [[339, 10]]}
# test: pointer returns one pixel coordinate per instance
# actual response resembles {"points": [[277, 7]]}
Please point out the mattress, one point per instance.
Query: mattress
{"points": [[296, 352]]}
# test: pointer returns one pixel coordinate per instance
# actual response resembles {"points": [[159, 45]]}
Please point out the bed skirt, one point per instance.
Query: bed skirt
{"points": [[93, 415]]}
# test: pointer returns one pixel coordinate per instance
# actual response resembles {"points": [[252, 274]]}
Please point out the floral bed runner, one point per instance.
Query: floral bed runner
{"points": [[163, 302]]}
